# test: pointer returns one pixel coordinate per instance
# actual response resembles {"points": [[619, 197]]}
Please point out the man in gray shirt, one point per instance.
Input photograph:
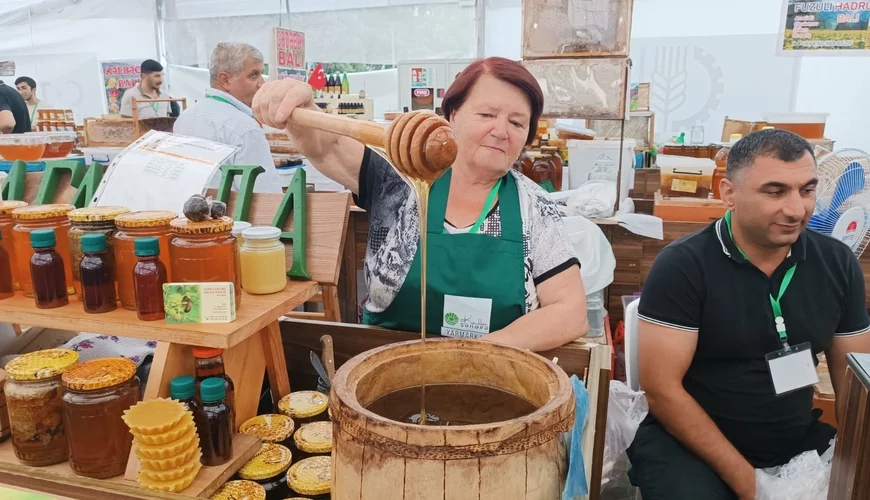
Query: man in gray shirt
{"points": [[225, 115], [148, 88]]}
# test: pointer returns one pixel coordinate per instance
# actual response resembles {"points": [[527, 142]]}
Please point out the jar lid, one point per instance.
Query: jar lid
{"points": [[240, 490], [271, 460], [93, 242], [261, 233], [6, 207], [207, 352], [270, 428], [145, 218], [37, 212], [212, 390], [43, 238], [239, 226], [183, 387], [147, 247], [312, 476], [96, 214], [303, 404], [183, 225], [315, 437], [99, 374], [42, 364]]}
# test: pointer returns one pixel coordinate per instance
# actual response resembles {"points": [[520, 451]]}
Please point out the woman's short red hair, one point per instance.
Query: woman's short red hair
{"points": [[508, 71]]}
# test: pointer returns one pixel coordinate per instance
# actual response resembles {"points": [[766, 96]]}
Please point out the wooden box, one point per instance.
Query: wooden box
{"points": [[579, 28], [687, 209]]}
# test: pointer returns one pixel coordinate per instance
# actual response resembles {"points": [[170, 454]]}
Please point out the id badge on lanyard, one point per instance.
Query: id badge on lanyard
{"points": [[791, 368]]}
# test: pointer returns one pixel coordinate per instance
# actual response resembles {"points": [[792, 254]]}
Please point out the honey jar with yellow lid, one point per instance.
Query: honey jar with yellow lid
{"points": [[314, 438], [33, 398], [91, 220], [304, 406], [268, 468], [31, 218], [96, 394], [311, 477], [240, 490], [204, 252], [131, 226], [6, 223], [271, 428]]}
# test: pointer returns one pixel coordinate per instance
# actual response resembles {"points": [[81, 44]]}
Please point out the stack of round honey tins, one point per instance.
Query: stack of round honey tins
{"points": [[166, 443]]}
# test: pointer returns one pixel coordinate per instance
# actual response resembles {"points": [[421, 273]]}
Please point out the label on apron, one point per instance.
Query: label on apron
{"points": [[466, 317]]}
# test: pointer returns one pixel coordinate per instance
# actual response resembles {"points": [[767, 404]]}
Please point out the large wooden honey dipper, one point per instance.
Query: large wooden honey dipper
{"points": [[420, 145]]}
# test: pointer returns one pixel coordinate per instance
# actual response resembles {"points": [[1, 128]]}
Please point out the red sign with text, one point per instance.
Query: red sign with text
{"points": [[290, 54]]}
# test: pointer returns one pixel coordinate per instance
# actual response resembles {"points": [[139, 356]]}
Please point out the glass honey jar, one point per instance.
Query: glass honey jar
{"points": [[96, 394], [31, 218], [268, 468], [204, 252], [33, 398], [86, 221], [133, 225], [6, 224]]}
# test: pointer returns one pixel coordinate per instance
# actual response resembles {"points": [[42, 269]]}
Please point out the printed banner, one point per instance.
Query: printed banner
{"points": [[289, 55], [118, 76], [826, 26]]}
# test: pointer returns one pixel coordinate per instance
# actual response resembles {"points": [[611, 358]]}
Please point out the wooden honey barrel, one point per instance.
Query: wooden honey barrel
{"points": [[379, 459]]}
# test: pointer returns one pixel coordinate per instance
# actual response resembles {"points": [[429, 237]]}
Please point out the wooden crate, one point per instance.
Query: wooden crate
{"points": [[688, 209]]}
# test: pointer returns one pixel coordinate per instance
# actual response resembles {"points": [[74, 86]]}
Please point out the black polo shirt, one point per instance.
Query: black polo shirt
{"points": [[11, 100], [701, 283]]}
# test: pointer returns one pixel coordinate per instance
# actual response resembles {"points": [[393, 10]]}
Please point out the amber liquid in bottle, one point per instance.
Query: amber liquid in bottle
{"points": [[149, 275], [7, 285], [98, 283], [214, 367], [215, 425], [49, 280]]}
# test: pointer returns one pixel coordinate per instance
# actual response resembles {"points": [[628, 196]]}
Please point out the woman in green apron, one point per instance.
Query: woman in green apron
{"points": [[500, 266]]}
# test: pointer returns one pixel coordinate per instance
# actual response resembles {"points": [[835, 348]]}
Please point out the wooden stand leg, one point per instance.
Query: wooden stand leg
{"points": [[276, 365], [246, 364]]}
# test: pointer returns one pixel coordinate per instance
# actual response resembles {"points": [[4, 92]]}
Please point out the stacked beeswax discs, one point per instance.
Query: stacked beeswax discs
{"points": [[166, 443]]}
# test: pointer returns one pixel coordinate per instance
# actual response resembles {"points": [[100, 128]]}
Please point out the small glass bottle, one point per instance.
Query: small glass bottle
{"points": [[263, 261], [97, 275], [7, 284], [87, 221], [132, 226], [215, 424], [32, 218], [210, 363], [149, 275], [47, 271]]}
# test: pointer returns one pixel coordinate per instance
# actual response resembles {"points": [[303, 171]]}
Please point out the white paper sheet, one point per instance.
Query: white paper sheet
{"points": [[160, 171]]}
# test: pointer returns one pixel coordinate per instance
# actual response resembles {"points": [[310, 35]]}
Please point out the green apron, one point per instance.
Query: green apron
{"points": [[476, 282]]}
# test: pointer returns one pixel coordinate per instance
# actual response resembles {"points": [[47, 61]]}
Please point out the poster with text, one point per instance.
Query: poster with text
{"points": [[826, 27], [289, 55], [118, 76], [421, 78]]}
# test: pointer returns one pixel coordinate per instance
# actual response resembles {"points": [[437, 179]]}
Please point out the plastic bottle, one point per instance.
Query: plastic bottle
{"points": [[149, 275], [215, 426], [721, 161], [97, 275], [47, 271]]}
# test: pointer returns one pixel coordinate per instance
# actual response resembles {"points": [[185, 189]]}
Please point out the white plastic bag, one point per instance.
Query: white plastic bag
{"points": [[625, 411], [594, 199], [805, 477], [593, 251]]}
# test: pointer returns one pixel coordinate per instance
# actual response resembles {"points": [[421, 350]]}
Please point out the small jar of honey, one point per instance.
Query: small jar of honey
{"points": [[6, 224], [133, 225], [263, 261], [96, 394], [204, 252], [268, 468], [86, 221], [31, 218], [304, 406], [33, 398]]}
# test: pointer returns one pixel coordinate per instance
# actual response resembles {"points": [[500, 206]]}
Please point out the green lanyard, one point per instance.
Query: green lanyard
{"points": [[219, 98], [487, 206], [774, 302], [33, 113]]}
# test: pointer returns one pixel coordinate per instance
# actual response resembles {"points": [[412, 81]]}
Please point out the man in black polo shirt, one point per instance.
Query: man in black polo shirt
{"points": [[13, 111], [718, 407]]}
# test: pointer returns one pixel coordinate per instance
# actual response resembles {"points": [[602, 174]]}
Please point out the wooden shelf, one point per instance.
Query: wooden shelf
{"points": [[255, 313], [59, 479]]}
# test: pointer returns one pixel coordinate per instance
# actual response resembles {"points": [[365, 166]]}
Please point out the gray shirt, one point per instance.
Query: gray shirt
{"points": [[146, 109], [231, 123]]}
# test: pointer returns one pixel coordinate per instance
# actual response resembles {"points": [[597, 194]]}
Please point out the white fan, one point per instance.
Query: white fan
{"points": [[843, 198]]}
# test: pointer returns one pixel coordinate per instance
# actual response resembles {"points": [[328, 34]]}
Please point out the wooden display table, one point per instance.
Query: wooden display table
{"points": [[253, 348]]}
